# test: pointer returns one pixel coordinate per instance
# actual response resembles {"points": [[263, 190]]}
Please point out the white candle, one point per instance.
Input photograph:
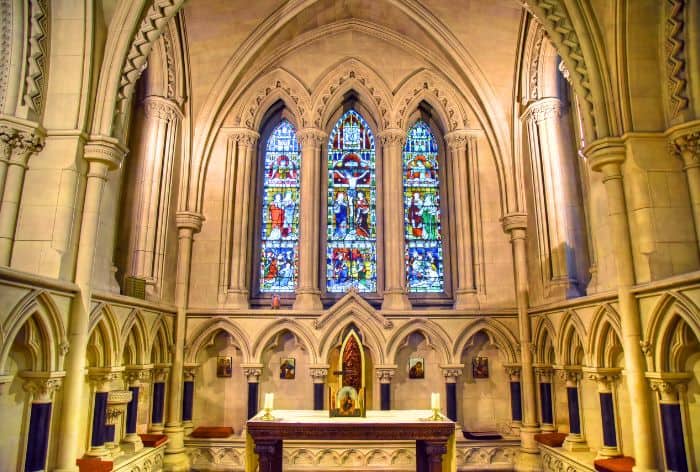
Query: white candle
{"points": [[435, 401], [269, 399]]}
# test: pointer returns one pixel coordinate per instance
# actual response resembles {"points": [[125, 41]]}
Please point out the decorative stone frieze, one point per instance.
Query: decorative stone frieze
{"points": [[544, 373], [674, 46]]}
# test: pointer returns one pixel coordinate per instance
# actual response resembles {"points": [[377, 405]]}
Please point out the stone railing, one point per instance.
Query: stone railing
{"points": [[555, 459], [147, 459]]}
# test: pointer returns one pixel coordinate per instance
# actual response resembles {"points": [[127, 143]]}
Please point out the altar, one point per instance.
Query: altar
{"points": [[435, 440]]}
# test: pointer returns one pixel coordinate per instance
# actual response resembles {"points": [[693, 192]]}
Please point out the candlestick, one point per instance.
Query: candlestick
{"points": [[267, 407], [435, 401]]}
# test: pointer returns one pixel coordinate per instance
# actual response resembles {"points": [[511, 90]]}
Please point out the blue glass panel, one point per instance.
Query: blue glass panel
{"points": [[423, 233], [280, 211], [351, 259]]}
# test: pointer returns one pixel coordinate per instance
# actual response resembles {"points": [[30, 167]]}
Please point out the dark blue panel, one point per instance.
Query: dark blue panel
{"points": [[318, 396], [674, 444], [451, 389], [252, 399], [546, 401], [38, 440], [158, 399], [109, 433], [187, 400], [607, 412], [574, 418], [132, 411], [99, 418], [515, 401], [385, 396]]}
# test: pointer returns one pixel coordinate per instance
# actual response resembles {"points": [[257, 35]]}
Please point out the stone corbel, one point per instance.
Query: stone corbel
{"points": [[42, 385]]}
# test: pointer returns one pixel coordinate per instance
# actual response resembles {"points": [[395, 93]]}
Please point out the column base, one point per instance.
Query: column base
{"points": [[308, 300], [156, 428], [396, 300], [466, 299], [548, 428], [527, 440], [237, 300], [131, 443], [113, 450], [188, 426], [528, 462], [175, 458], [607, 452], [515, 427], [99, 452], [575, 443]]}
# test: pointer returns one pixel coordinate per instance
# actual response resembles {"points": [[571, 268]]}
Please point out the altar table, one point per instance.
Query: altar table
{"points": [[434, 439]]}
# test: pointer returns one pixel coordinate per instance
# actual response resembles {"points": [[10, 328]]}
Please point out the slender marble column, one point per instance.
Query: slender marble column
{"points": [[670, 387], [545, 373], [308, 291], [41, 386], [395, 297], [102, 154], [100, 379], [134, 376], [319, 374], [252, 373], [576, 439], [516, 408], [516, 225], [160, 377], [606, 379], [238, 290], [7, 139], [607, 155], [188, 397], [451, 372], [687, 144], [384, 375], [24, 145], [465, 290]]}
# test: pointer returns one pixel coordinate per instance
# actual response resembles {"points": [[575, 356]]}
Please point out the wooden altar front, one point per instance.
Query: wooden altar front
{"points": [[435, 440]]}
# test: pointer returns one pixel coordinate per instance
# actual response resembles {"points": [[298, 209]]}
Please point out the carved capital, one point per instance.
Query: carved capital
{"points": [[451, 372], [7, 137], [543, 110], [101, 378], [25, 144], [313, 137], [545, 373], [319, 374], [190, 372], [458, 139], [244, 136], [606, 378], [385, 374], [606, 155], [160, 373], [513, 371], [668, 385], [42, 385], [189, 220], [393, 137], [515, 223], [105, 150], [564, 71], [252, 372], [161, 108], [688, 148], [135, 375], [570, 374]]}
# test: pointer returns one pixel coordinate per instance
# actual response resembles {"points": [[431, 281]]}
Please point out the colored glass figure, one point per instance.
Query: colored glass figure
{"points": [[421, 184], [351, 257], [280, 211]]}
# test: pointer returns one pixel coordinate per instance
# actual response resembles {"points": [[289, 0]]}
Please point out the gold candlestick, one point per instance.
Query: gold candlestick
{"points": [[437, 416], [267, 416]]}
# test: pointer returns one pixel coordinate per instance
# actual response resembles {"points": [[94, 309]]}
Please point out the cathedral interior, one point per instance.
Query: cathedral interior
{"points": [[204, 202]]}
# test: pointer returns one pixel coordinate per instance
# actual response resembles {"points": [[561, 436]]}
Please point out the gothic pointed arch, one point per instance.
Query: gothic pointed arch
{"points": [[133, 338], [570, 343], [161, 340], [206, 333], [103, 337], [545, 341], [433, 333], [673, 320], [604, 340], [307, 340], [497, 332]]}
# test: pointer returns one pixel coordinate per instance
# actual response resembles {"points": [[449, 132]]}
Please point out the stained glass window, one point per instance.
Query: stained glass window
{"points": [[421, 189], [351, 254], [280, 211]]}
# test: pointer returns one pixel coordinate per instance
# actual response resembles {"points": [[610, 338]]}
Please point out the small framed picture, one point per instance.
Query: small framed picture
{"points": [[480, 367], [287, 368], [224, 366], [416, 368]]}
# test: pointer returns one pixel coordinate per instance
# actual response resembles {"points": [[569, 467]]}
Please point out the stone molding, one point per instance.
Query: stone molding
{"points": [[674, 47], [570, 374], [545, 373], [35, 68], [42, 385], [106, 150], [189, 220], [606, 155], [513, 222]]}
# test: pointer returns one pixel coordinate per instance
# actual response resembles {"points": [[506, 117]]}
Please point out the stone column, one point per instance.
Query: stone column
{"points": [[160, 377], [687, 144], [451, 372], [7, 139], [102, 154], [670, 387], [134, 376], [395, 297], [252, 373], [24, 144], [384, 374], [41, 386], [544, 374], [161, 123], [244, 195], [319, 374], [576, 439], [607, 156], [516, 225], [188, 223], [100, 379], [516, 407], [188, 397], [308, 291], [606, 379], [465, 290]]}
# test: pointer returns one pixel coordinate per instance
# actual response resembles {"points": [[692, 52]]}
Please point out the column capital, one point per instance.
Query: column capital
{"points": [[161, 372], [190, 372], [606, 155], [687, 145], [544, 372], [102, 377], [189, 220], [571, 374], [393, 137], [252, 372], [513, 371], [451, 372], [514, 223], [313, 137], [385, 373], [542, 110], [105, 150], [161, 108], [668, 384], [42, 385], [319, 373], [605, 377], [244, 136], [135, 374], [459, 138], [24, 144]]}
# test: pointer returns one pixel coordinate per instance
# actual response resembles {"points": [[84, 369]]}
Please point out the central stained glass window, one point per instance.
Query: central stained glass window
{"points": [[280, 213], [421, 189], [351, 253]]}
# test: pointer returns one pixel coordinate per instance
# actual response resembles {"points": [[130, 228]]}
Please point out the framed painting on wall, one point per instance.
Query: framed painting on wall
{"points": [[224, 366], [416, 368], [287, 368], [480, 368]]}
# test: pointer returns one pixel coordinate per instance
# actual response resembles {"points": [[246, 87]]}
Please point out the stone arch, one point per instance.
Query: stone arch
{"points": [[435, 336], [37, 308], [134, 328], [571, 338], [544, 339], [279, 326], [497, 332], [207, 332], [160, 341], [604, 342], [372, 338], [673, 314], [103, 336]]}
